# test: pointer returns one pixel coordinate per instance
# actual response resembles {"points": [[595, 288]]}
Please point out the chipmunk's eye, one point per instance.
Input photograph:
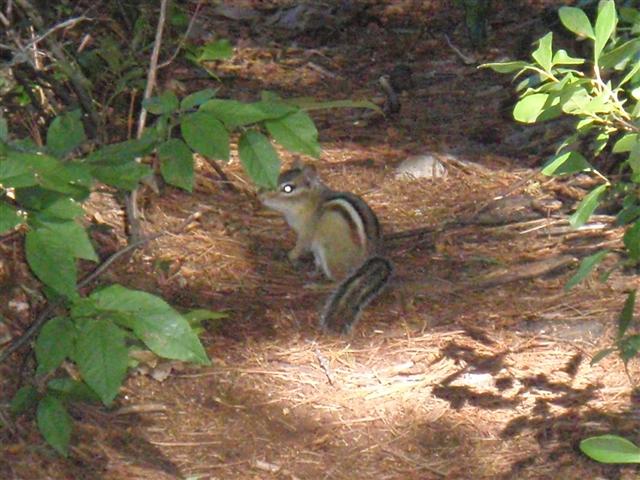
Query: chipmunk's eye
{"points": [[288, 188]]}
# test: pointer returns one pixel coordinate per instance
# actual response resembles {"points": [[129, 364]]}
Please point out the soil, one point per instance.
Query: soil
{"points": [[454, 377]]}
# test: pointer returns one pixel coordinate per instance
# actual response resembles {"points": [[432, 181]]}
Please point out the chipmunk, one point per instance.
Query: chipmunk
{"points": [[344, 236]]}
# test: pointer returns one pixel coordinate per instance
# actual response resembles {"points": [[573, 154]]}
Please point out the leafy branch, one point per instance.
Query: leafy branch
{"points": [[606, 102]]}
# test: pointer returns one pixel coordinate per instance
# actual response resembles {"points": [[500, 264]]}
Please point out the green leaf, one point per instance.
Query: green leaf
{"points": [[123, 176], [218, 50], [197, 98], [123, 152], [165, 103], [626, 143], [54, 423], [619, 57], [632, 241], [628, 214], [630, 74], [529, 108], [21, 169], [54, 344], [234, 114], [599, 104], [601, 354], [176, 163], [628, 347], [634, 158], [585, 125], [626, 315], [9, 217], [543, 54], [102, 356], [295, 132], [587, 206], [599, 143], [153, 321], [51, 250], [565, 163], [561, 57], [62, 208], [65, 134], [55, 267], [68, 389], [205, 134], [4, 130], [48, 205], [16, 173], [576, 21], [610, 449], [605, 25], [259, 159], [629, 15], [577, 102], [24, 399], [585, 268], [505, 67], [198, 316], [309, 103], [73, 236]]}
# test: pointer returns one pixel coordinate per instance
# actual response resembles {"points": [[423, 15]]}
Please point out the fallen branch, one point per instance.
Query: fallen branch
{"points": [[520, 272], [513, 273]]}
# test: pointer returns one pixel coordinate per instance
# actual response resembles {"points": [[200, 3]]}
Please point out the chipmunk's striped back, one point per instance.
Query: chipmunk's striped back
{"points": [[344, 235]]}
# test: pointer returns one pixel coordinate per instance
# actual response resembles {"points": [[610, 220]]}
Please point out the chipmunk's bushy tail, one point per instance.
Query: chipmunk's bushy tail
{"points": [[344, 306]]}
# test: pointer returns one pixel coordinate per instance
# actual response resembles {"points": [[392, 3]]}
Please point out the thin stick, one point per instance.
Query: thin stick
{"points": [[44, 315], [131, 199], [66, 24], [466, 59], [67, 65], [153, 66], [184, 38]]}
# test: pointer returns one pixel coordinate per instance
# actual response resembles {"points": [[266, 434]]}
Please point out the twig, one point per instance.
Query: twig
{"points": [[153, 66], [7, 422], [466, 59], [226, 183], [131, 199], [324, 364], [66, 24], [184, 38], [44, 315], [321, 70], [68, 66]]}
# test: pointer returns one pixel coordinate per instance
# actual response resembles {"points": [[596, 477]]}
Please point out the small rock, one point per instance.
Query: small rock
{"points": [[18, 306], [421, 166]]}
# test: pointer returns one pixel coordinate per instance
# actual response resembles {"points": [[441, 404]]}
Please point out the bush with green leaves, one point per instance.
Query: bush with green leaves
{"points": [[206, 122], [602, 93], [42, 191]]}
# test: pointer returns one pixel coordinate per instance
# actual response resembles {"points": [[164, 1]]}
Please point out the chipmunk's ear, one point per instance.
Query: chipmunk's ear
{"points": [[310, 174], [298, 164]]}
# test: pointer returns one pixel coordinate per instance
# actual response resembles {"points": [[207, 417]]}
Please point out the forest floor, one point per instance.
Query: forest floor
{"points": [[458, 378]]}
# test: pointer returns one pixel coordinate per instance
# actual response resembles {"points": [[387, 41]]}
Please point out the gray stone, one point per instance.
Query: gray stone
{"points": [[421, 166]]}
